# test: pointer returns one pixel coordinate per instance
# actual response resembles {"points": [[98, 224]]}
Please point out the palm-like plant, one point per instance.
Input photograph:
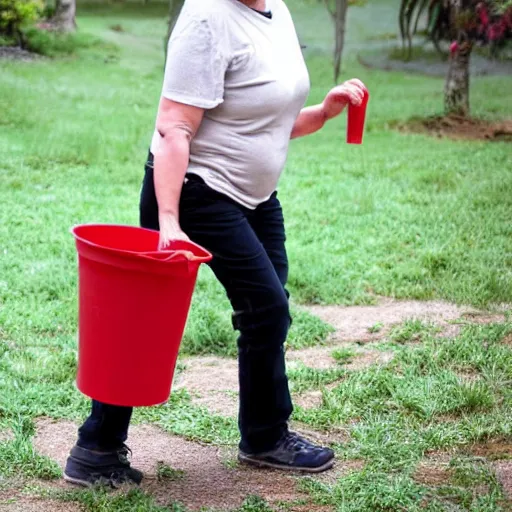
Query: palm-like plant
{"points": [[463, 23], [438, 21]]}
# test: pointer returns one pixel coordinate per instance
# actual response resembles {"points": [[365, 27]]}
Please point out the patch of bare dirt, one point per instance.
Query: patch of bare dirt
{"points": [[434, 470], [321, 358], [428, 473], [503, 471], [25, 503], [212, 383], [450, 330], [355, 323], [491, 450], [366, 358], [439, 457], [469, 376], [496, 449], [477, 317], [15, 53], [460, 128], [507, 340], [16, 495], [310, 508], [206, 480], [309, 399], [6, 435]]}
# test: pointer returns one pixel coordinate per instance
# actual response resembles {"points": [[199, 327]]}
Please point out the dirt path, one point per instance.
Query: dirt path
{"points": [[355, 323], [201, 476], [208, 476], [219, 392]]}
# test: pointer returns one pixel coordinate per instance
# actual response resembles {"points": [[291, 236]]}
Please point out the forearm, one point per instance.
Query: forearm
{"points": [[171, 163], [310, 120]]}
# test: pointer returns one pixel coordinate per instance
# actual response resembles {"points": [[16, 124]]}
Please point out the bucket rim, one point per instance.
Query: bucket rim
{"points": [[204, 258]]}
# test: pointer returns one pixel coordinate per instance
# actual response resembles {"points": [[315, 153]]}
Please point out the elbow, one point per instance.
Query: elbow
{"points": [[179, 132]]}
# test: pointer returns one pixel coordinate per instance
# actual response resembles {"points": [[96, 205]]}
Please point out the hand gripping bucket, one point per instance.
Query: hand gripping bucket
{"points": [[133, 307]]}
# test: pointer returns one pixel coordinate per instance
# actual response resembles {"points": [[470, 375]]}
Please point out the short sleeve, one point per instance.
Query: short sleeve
{"points": [[196, 62]]}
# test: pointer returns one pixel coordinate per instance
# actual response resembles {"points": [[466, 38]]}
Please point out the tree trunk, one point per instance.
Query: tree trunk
{"points": [[338, 11], [340, 17], [456, 90], [174, 11], [64, 18]]}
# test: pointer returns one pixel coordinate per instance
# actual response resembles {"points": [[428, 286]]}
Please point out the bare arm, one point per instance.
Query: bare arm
{"points": [[177, 124], [310, 120]]}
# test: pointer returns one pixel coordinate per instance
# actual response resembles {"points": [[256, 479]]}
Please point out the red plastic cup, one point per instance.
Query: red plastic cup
{"points": [[356, 119]]}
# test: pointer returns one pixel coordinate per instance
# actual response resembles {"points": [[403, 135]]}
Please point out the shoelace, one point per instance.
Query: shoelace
{"points": [[296, 443], [124, 454]]}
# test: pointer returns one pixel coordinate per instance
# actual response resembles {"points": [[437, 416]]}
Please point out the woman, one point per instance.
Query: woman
{"points": [[234, 87]]}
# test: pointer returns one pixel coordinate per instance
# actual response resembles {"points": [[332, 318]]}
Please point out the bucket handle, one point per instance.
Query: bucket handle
{"points": [[169, 255]]}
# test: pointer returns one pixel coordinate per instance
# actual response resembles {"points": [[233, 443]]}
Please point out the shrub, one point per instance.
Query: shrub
{"points": [[53, 43], [16, 14]]}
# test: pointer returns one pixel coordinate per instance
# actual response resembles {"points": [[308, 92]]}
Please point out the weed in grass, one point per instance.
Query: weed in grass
{"points": [[18, 457], [375, 328], [304, 378], [343, 355], [180, 417], [412, 330], [255, 504], [473, 486], [165, 472], [103, 500]]}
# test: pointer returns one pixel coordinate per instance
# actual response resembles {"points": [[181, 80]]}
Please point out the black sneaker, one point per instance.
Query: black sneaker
{"points": [[292, 453], [88, 468]]}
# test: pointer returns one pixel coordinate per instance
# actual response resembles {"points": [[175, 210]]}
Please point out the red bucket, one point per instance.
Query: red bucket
{"points": [[133, 307]]}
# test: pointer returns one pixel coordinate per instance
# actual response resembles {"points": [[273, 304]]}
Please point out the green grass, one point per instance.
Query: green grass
{"points": [[406, 216], [421, 402], [411, 330], [165, 472], [472, 487], [343, 355], [99, 500]]}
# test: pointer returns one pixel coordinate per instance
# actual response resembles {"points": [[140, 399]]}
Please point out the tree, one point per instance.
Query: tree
{"points": [[464, 23], [64, 17], [338, 11]]}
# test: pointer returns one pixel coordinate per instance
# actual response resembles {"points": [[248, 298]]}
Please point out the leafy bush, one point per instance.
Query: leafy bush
{"points": [[53, 43], [16, 14]]}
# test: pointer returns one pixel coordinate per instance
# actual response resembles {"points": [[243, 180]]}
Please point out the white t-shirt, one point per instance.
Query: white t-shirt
{"points": [[248, 72]]}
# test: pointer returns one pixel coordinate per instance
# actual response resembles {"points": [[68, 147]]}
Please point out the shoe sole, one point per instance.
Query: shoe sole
{"points": [[76, 481], [245, 459]]}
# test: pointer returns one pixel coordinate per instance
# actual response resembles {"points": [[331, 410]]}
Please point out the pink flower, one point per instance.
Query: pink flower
{"points": [[454, 47], [496, 31], [483, 14]]}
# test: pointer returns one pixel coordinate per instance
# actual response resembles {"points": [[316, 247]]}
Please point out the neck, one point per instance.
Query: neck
{"points": [[260, 5]]}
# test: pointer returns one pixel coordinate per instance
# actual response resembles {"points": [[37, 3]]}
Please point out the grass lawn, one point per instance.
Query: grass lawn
{"points": [[403, 216]]}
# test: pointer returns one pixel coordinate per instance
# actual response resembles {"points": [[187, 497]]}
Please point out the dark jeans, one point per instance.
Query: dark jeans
{"points": [[251, 263]]}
